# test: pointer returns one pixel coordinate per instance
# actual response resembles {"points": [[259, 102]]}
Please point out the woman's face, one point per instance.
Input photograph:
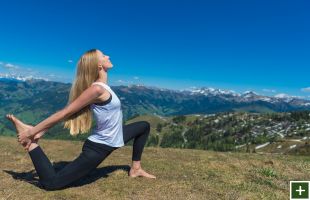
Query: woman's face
{"points": [[104, 61]]}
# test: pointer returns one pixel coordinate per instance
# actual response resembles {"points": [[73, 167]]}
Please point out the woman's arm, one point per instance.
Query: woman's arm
{"points": [[86, 98]]}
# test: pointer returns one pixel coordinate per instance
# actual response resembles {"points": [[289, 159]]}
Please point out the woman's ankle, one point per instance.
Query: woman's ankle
{"points": [[32, 146], [136, 164]]}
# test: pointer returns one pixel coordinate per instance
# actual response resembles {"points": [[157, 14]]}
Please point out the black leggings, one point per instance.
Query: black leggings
{"points": [[92, 155]]}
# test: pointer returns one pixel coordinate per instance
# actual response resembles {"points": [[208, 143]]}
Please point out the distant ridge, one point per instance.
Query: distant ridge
{"points": [[13, 77], [140, 99], [9, 80]]}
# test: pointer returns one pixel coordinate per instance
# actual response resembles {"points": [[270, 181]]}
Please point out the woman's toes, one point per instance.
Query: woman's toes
{"points": [[11, 117]]}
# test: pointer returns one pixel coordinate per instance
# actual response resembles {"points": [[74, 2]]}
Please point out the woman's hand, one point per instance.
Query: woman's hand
{"points": [[25, 138], [26, 143], [38, 136]]}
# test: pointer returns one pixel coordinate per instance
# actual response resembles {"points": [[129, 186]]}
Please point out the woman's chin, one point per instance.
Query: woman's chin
{"points": [[108, 68]]}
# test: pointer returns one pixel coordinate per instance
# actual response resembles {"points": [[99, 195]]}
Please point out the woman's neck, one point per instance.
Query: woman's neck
{"points": [[103, 77], [102, 80]]}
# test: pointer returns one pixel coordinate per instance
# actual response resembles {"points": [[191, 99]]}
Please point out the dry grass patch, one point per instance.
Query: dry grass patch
{"points": [[181, 174]]}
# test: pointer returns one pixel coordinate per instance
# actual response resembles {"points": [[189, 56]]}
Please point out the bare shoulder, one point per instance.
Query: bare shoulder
{"points": [[99, 89], [104, 94]]}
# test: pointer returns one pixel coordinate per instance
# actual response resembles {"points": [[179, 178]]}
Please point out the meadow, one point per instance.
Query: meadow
{"points": [[181, 174]]}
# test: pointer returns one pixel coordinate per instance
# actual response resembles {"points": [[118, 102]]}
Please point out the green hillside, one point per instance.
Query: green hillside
{"points": [[283, 133], [181, 174]]}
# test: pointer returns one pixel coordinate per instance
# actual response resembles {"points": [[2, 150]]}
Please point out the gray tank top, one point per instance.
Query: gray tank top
{"points": [[109, 121]]}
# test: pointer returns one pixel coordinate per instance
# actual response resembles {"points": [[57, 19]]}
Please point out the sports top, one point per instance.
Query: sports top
{"points": [[109, 120]]}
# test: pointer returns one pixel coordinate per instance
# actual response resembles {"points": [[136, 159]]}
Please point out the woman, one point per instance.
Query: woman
{"points": [[89, 95]]}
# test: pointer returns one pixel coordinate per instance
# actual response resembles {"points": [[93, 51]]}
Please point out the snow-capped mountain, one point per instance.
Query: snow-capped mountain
{"points": [[213, 91], [249, 96], [203, 100], [19, 77]]}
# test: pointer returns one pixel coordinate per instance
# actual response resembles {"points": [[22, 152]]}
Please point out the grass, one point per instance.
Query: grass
{"points": [[181, 174], [269, 172]]}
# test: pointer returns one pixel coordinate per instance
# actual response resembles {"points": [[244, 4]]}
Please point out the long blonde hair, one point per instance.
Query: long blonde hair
{"points": [[86, 74]]}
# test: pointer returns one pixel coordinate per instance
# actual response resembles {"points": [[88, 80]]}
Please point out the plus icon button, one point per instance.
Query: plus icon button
{"points": [[300, 190]]}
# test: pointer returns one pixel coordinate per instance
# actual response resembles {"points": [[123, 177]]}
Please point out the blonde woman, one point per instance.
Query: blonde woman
{"points": [[89, 96]]}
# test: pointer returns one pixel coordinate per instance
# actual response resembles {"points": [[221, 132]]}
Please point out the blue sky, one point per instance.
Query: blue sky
{"points": [[256, 45]]}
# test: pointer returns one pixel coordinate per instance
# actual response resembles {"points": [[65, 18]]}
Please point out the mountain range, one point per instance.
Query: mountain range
{"points": [[18, 95], [33, 100]]}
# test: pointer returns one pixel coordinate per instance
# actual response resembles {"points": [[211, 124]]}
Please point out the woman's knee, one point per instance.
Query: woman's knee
{"points": [[147, 125], [53, 187], [49, 185]]}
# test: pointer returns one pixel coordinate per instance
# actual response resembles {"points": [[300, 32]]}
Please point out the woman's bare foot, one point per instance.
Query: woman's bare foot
{"points": [[136, 170], [140, 172], [21, 127]]}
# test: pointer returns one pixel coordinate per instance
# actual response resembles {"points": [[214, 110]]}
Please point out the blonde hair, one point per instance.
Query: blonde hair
{"points": [[86, 74]]}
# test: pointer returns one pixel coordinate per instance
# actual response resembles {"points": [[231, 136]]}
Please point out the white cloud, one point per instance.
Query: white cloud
{"points": [[124, 82], [282, 95], [286, 96], [136, 77], [10, 66], [190, 88], [24, 72], [70, 61], [269, 90], [307, 89]]}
